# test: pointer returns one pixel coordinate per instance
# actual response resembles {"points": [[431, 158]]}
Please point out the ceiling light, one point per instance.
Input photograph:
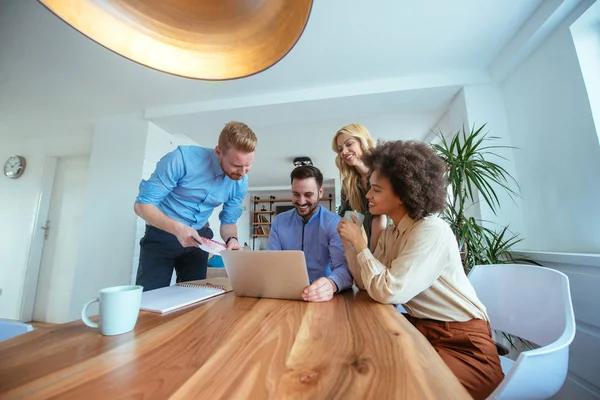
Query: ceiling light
{"points": [[200, 39], [299, 161]]}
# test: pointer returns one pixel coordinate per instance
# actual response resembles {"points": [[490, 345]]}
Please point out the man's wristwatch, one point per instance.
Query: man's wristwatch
{"points": [[228, 239]]}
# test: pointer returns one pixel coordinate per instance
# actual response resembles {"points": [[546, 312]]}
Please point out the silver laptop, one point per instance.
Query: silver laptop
{"points": [[275, 274]]}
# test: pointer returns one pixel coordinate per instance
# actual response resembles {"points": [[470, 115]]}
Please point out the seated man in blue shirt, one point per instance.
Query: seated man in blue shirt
{"points": [[177, 200], [312, 229]]}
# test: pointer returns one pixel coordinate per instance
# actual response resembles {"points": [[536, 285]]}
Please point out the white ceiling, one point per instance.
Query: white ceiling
{"points": [[48, 70], [421, 101], [290, 130], [338, 73]]}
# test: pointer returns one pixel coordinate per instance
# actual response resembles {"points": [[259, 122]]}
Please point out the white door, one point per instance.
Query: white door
{"points": [[57, 268]]}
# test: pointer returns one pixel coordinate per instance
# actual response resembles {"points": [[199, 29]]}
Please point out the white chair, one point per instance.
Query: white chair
{"points": [[10, 329], [533, 303]]}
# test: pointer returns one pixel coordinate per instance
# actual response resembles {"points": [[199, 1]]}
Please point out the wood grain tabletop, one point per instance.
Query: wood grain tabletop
{"points": [[234, 348]]}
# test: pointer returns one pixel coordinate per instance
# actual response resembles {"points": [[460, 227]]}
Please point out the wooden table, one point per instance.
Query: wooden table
{"points": [[235, 348]]}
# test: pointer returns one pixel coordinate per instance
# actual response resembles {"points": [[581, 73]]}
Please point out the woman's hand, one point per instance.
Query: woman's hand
{"points": [[352, 233]]}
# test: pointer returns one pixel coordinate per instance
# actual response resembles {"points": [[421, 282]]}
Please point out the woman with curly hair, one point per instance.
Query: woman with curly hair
{"points": [[351, 143], [417, 262]]}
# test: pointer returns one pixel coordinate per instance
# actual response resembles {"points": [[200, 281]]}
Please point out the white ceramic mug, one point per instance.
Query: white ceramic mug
{"points": [[119, 309], [358, 216]]}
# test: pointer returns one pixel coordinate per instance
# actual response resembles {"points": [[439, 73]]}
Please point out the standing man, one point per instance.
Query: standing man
{"points": [[312, 229], [180, 196]]}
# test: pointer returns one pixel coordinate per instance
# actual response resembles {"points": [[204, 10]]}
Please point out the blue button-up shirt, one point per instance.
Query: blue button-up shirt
{"points": [[188, 184], [319, 240]]}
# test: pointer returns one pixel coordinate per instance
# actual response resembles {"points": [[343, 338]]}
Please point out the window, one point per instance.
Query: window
{"points": [[586, 36]]}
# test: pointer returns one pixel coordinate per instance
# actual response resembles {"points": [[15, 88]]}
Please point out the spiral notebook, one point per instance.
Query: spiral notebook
{"points": [[183, 294]]}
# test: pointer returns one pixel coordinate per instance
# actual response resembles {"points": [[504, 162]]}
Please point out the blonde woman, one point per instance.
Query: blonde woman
{"points": [[351, 143]]}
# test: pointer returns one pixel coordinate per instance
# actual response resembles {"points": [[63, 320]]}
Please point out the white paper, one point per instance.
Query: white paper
{"points": [[211, 246], [173, 297]]}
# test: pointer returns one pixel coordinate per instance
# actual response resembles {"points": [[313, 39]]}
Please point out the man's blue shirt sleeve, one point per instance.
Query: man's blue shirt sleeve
{"points": [[169, 170], [232, 209]]}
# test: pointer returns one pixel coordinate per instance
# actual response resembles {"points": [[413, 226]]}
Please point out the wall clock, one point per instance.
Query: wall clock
{"points": [[14, 166]]}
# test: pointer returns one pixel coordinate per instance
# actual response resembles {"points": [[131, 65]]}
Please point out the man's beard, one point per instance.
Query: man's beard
{"points": [[235, 177], [307, 211]]}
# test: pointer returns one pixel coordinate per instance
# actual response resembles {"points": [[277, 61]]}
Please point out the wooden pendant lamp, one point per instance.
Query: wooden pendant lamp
{"points": [[200, 39]]}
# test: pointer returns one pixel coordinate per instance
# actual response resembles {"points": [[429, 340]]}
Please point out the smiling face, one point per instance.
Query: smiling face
{"points": [[235, 163], [349, 148], [382, 198], [306, 194]]}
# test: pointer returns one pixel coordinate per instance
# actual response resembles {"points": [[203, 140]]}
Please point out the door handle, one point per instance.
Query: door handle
{"points": [[46, 228]]}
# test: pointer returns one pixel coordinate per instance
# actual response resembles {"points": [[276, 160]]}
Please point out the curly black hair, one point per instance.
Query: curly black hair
{"points": [[416, 172]]}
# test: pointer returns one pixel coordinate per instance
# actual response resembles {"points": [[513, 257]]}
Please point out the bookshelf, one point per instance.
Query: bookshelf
{"points": [[263, 218]]}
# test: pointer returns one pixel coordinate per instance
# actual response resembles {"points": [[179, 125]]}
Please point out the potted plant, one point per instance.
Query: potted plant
{"points": [[474, 177]]}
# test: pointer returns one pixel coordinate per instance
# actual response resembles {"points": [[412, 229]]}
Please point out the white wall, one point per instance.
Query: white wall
{"points": [[105, 248], [485, 105], [451, 121], [550, 121], [475, 106], [19, 200]]}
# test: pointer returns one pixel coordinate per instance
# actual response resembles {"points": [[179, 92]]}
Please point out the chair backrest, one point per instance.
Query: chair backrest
{"points": [[10, 329], [525, 300], [533, 303]]}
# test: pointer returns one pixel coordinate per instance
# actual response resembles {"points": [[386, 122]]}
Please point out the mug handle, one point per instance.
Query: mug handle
{"points": [[84, 316]]}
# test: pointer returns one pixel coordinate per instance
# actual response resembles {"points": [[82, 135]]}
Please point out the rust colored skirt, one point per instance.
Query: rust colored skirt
{"points": [[468, 350]]}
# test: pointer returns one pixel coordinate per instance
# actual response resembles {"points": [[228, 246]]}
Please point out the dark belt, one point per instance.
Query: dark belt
{"points": [[207, 225]]}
